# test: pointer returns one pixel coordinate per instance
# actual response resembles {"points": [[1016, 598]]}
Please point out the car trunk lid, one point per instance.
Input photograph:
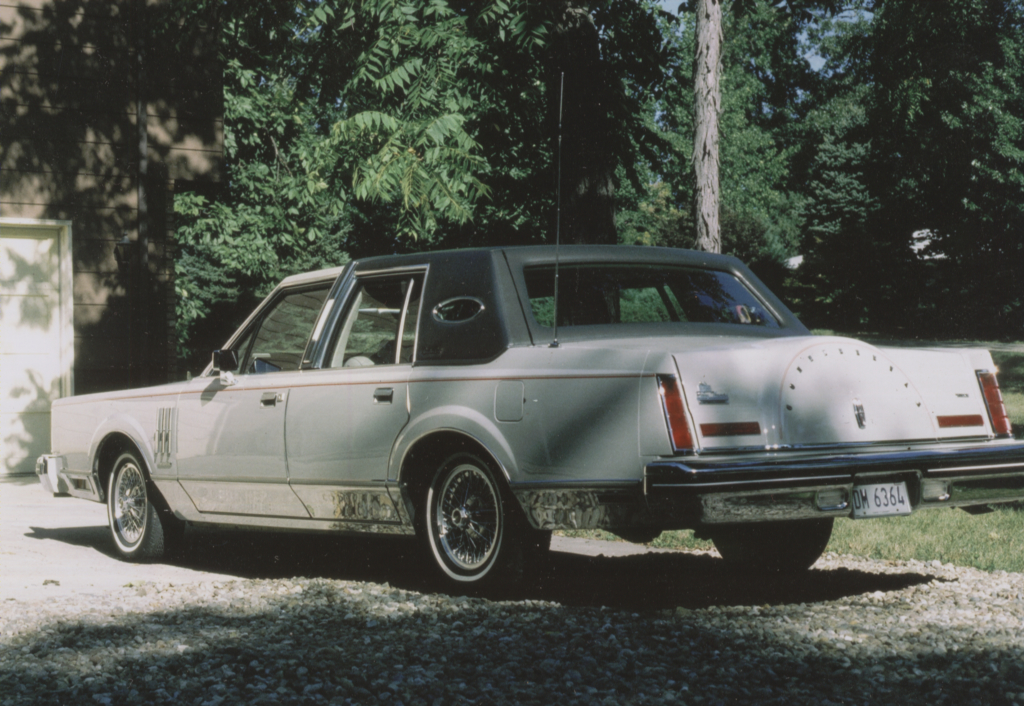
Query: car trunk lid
{"points": [[815, 391]]}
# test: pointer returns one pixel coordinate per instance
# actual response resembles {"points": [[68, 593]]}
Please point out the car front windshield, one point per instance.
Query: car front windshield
{"points": [[631, 294]]}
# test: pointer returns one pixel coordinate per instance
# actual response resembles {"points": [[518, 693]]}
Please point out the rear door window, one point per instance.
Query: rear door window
{"points": [[592, 295], [379, 326]]}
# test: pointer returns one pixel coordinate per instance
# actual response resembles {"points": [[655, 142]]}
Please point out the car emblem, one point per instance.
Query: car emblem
{"points": [[858, 412], [706, 395]]}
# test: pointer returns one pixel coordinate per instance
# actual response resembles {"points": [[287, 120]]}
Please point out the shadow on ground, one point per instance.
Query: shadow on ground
{"points": [[345, 645], [635, 582]]}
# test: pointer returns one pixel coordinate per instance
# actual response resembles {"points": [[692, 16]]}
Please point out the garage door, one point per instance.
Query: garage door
{"points": [[30, 342]]}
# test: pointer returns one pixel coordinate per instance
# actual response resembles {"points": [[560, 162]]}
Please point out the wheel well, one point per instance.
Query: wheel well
{"points": [[427, 454], [110, 450]]}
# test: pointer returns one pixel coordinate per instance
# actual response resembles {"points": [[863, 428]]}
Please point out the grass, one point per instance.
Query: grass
{"points": [[991, 542]]}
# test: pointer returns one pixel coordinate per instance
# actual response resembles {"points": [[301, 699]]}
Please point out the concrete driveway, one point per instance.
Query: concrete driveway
{"points": [[61, 546]]}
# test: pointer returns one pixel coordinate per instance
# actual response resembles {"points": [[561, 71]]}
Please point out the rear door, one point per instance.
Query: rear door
{"points": [[343, 420]]}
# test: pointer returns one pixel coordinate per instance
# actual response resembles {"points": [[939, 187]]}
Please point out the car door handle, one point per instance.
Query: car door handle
{"points": [[383, 395], [270, 399]]}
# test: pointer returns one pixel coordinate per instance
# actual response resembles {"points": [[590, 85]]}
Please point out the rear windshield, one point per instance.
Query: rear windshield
{"points": [[628, 294]]}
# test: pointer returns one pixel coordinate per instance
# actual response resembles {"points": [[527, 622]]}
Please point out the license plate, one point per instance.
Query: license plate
{"points": [[880, 499]]}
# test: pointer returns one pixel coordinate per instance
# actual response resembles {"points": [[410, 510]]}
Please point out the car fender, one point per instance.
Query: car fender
{"points": [[459, 419], [126, 425]]}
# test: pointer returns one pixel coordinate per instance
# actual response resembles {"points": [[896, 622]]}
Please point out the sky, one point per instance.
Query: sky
{"points": [[673, 6]]}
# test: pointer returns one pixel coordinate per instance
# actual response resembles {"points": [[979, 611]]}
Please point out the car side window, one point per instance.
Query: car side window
{"points": [[279, 339], [603, 294], [382, 311]]}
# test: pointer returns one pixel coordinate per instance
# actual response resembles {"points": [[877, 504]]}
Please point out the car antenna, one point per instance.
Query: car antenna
{"points": [[558, 201]]}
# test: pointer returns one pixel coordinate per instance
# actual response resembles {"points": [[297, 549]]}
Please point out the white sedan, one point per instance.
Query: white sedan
{"points": [[482, 398]]}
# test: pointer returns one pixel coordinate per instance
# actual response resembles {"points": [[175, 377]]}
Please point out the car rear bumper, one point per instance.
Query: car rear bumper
{"points": [[729, 490]]}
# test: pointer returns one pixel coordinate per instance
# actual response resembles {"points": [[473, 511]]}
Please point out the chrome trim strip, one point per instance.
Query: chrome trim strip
{"points": [[980, 490], [235, 480], [258, 499], [339, 293], [780, 321], [945, 441], [613, 484], [841, 480], [437, 308], [732, 450], [165, 425], [707, 395], [289, 523], [411, 269], [583, 508], [348, 484], [688, 471], [767, 505], [419, 318], [401, 321], [773, 489], [941, 471], [355, 504]]}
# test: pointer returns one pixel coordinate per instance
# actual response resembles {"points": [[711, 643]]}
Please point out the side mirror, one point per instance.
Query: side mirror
{"points": [[226, 361]]}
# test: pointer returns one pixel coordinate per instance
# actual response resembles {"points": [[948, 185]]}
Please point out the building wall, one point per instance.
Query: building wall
{"points": [[73, 83], [103, 114]]}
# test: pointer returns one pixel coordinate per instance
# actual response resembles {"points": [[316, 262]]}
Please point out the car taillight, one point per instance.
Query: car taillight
{"points": [[950, 421], [994, 401], [731, 429], [675, 413]]}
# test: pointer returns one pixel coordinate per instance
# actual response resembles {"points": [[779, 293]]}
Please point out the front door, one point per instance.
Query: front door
{"points": [[231, 450]]}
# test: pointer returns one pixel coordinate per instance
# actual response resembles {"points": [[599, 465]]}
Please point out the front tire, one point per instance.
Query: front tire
{"points": [[787, 547], [468, 524], [135, 524]]}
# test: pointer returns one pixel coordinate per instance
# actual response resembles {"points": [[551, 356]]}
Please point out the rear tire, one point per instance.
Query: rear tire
{"points": [[773, 547], [470, 529], [140, 531]]}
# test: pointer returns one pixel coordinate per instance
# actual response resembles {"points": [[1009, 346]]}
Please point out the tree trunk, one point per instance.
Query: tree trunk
{"points": [[708, 106], [588, 166]]}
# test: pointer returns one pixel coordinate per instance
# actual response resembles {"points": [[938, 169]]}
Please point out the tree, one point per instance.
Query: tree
{"points": [[929, 174], [841, 286], [708, 105], [386, 125], [336, 122], [765, 81], [708, 95]]}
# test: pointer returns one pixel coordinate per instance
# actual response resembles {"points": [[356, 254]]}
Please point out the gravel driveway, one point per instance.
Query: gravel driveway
{"points": [[286, 619]]}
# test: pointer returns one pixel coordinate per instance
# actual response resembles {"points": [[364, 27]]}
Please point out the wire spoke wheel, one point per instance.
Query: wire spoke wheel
{"points": [[466, 524], [467, 517], [129, 503], [138, 532]]}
